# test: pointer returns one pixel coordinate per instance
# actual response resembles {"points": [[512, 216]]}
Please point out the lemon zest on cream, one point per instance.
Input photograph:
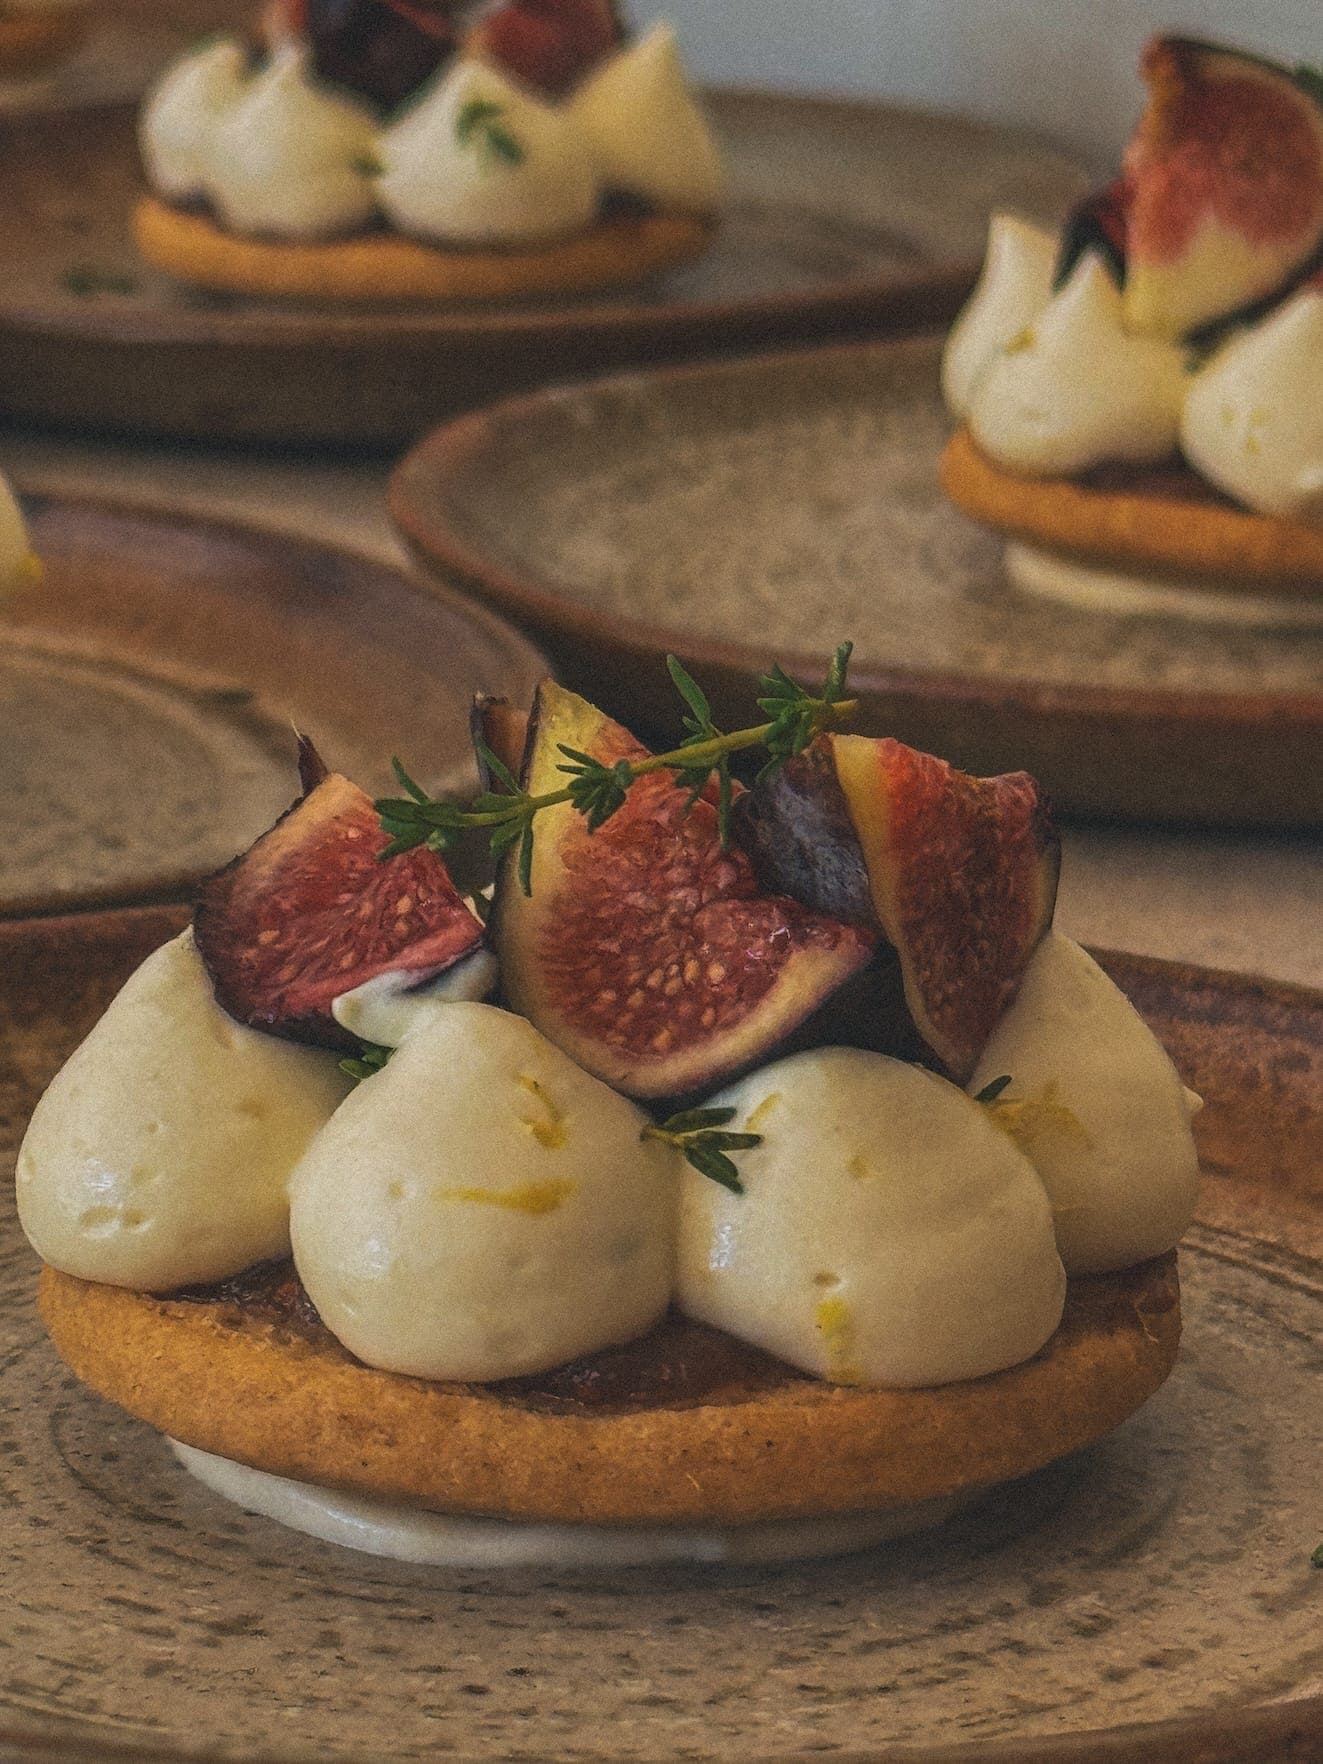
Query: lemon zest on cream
{"points": [[527, 1197]]}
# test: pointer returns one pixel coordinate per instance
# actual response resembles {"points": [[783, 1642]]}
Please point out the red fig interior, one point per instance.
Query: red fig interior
{"points": [[960, 873], [645, 950], [308, 913]]}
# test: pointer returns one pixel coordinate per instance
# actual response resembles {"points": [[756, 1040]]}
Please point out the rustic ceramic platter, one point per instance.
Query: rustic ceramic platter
{"points": [[149, 681], [1152, 1600], [842, 217], [741, 511]]}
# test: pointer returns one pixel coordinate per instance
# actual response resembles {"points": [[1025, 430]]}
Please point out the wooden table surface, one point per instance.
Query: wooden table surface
{"points": [[1248, 902]]}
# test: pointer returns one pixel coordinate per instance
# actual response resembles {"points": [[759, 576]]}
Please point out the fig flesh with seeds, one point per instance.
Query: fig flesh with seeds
{"points": [[645, 950], [959, 873], [1224, 177], [549, 45], [309, 912]]}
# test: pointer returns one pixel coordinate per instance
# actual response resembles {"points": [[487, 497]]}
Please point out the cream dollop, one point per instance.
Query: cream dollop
{"points": [[291, 159], [477, 160], [180, 116], [1253, 418], [482, 1208], [1077, 388], [1013, 288], [390, 1006], [888, 1233], [160, 1152], [1097, 1108], [645, 128]]}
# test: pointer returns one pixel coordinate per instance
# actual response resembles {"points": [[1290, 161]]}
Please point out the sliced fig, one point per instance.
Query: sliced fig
{"points": [[309, 913], [959, 873], [646, 951], [1225, 184], [503, 730], [383, 50], [548, 44]]}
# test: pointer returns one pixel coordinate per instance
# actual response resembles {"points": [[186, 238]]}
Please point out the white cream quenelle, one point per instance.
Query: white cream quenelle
{"points": [[1077, 388], [888, 1234], [182, 111], [1097, 1107], [482, 1208], [160, 1152], [1014, 287], [1253, 419], [292, 159], [645, 128], [477, 160]]}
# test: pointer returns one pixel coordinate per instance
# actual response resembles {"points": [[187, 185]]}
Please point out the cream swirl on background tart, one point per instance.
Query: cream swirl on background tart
{"points": [[1140, 399], [552, 1287], [539, 152]]}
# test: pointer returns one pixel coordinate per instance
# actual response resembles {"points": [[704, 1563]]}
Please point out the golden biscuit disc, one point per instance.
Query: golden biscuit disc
{"points": [[384, 266], [686, 1425], [1165, 521]]}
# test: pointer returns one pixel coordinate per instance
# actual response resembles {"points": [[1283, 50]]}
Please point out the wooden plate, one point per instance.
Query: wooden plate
{"points": [[149, 681], [1163, 1577], [843, 218], [742, 512]]}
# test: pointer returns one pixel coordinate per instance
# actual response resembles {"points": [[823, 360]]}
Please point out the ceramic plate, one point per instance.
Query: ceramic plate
{"points": [[149, 680], [1161, 1577], [748, 511], [842, 217]]}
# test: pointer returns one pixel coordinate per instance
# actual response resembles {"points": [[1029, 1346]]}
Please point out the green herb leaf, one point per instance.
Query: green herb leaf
{"points": [[526, 858], [694, 1120], [371, 1059], [700, 1136], [1316, 1560], [497, 767], [715, 1165], [990, 1092], [690, 691], [406, 783], [480, 124]]}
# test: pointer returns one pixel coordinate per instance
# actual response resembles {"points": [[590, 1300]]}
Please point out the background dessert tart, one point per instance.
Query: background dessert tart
{"points": [[542, 1276], [1140, 399], [538, 152]]}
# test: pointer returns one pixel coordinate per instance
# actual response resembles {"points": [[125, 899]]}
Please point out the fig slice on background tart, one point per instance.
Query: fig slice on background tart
{"points": [[1224, 184], [309, 913]]}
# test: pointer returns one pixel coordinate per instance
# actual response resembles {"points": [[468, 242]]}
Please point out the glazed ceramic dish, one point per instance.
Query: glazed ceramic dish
{"points": [[1161, 1577], [781, 504], [148, 683], [841, 217]]}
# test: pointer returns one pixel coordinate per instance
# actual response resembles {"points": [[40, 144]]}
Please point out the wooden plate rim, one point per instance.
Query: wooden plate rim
{"points": [[1272, 1733]]}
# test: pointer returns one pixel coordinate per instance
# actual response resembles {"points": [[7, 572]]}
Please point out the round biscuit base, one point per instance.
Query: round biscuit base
{"points": [[1184, 538], [388, 267], [227, 1383]]}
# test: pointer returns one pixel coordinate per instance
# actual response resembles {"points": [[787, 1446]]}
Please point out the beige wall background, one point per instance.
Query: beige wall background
{"points": [[1064, 66]]}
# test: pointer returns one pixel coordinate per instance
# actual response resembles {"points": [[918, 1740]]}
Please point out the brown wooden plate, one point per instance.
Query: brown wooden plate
{"points": [[843, 218], [738, 512], [1149, 1602], [149, 681]]}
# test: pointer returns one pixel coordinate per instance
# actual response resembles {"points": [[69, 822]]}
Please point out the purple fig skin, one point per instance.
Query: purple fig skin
{"points": [[796, 828]]}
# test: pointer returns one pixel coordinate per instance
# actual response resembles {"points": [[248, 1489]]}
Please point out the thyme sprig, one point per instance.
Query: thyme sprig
{"points": [[701, 1135], [597, 790], [371, 1059], [990, 1092], [480, 123]]}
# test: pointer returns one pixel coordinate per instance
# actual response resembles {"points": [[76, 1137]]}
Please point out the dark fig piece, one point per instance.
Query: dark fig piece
{"points": [[646, 951], [1097, 224], [959, 873], [503, 730], [382, 50], [308, 913], [548, 44]]}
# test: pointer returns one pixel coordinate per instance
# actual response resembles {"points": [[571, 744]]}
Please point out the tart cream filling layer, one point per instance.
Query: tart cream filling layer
{"points": [[409, 1534], [1099, 588]]}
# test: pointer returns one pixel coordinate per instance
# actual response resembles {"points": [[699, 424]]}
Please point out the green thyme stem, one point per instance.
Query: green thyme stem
{"points": [[679, 759]]}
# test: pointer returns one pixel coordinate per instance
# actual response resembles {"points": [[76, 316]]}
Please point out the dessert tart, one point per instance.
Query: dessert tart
{"points": [[36, 36], [803, 1183], [1141, 398], [378, 151]]}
